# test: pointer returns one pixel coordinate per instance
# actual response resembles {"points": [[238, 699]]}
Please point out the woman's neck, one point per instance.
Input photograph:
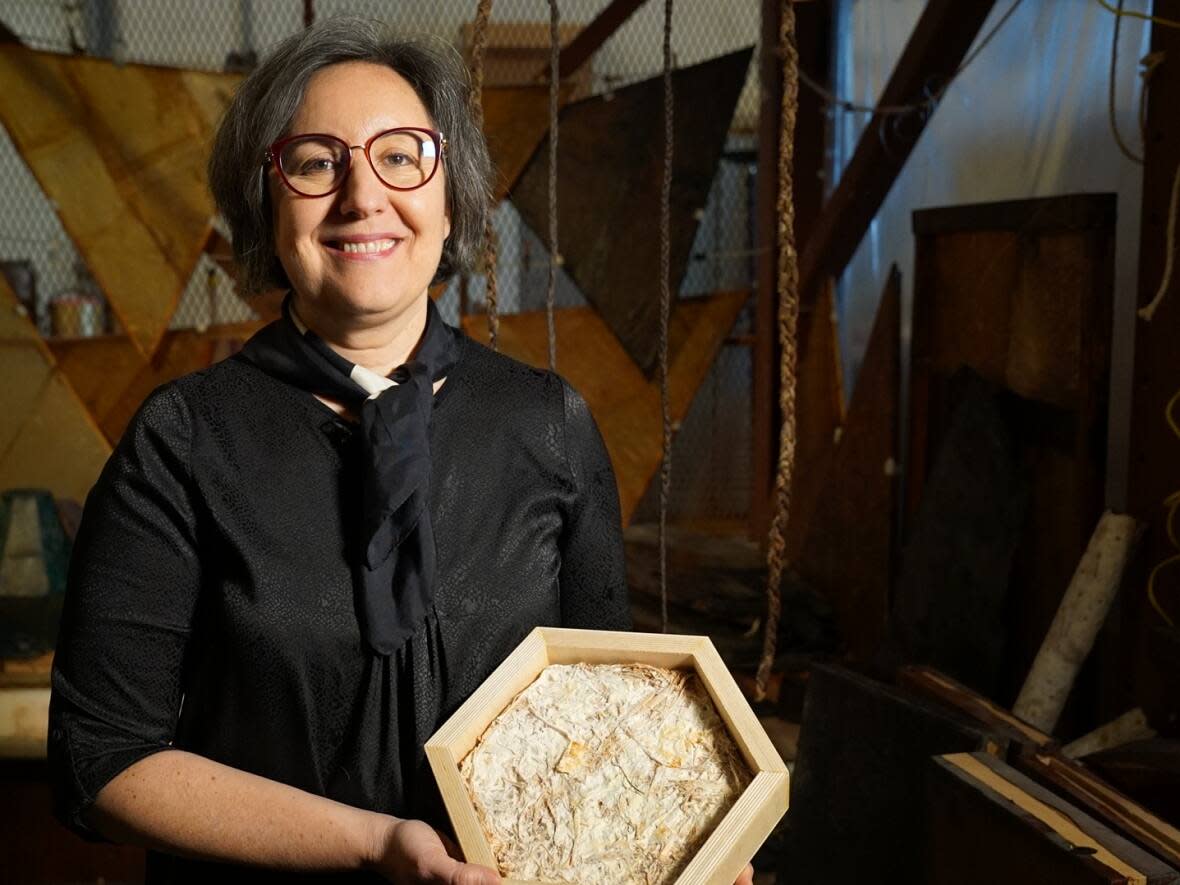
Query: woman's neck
{"points": [[380, 347]]}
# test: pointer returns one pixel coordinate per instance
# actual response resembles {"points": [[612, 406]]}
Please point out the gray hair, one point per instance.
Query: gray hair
{"points": [[266, 102]]}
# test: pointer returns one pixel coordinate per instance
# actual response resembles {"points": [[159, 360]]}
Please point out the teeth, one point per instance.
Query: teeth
{"points": [[371, 246]]}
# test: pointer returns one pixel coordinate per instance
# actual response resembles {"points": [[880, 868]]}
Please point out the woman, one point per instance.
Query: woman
{"points": [[292, 569]]}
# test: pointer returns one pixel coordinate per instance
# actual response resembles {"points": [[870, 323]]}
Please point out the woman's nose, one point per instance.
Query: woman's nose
{"points": [[362, 193]]}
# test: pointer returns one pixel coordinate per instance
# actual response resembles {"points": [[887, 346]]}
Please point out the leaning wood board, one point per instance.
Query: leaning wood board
{"points": [[990, 823], [741, 831]]}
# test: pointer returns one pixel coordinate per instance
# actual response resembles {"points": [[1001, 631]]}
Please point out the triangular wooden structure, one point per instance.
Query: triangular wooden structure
{"points": [[114, 395], [624, 402], [47, 438], [609, 159], [848, 551], [120, 150], [516, 120]]}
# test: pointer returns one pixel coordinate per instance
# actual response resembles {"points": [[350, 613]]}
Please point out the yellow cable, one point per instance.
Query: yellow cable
{"points": [[1165, 22]]}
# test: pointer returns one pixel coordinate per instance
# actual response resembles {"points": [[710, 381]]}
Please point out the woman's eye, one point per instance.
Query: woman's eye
{"points": [[317, 165], [396, 160]]}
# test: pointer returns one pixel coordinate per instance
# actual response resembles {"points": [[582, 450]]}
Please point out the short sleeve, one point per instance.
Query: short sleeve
{"points": [[130, 597], [593, 575]]}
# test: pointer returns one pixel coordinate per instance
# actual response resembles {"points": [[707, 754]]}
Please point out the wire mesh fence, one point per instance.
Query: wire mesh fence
{"points": [[48, 273]]}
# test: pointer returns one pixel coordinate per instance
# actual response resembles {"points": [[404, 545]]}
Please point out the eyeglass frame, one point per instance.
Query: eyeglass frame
{"points": [[274, 152]]}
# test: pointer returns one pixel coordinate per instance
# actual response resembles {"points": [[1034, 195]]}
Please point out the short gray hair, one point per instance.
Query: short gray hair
{"points": [[266, 102]]}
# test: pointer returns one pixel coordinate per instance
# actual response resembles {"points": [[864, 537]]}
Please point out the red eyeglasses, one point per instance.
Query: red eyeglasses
{"points": [[316, 165]]}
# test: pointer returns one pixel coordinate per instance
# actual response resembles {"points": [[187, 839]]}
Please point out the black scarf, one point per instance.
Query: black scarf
{"points": [[396, 565]]}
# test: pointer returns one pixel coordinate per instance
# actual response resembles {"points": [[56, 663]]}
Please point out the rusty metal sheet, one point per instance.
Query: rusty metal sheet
{"points": [[624, 402], [120, 150], [610, 155]]}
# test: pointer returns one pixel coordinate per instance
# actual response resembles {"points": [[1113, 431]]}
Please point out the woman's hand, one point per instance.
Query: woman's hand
{"points": [[747, 876], [411, 851]]}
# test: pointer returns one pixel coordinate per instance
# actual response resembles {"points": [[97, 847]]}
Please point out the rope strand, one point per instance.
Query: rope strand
{"points": [[665, 313], [554, 256], [788, 321], [479, 42]]}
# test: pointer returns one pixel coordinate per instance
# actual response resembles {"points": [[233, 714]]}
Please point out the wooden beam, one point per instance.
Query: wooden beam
{"points": [[940, 40], [591, 38]]}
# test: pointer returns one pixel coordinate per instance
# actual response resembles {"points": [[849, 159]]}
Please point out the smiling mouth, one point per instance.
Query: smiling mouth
{"points": [[369, 247]]}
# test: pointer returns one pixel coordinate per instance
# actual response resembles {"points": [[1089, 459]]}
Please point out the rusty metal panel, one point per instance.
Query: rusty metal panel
{"points": [[610, 156]]}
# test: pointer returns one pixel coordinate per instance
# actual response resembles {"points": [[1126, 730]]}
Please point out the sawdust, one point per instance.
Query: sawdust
{"points": [[604, 773]]}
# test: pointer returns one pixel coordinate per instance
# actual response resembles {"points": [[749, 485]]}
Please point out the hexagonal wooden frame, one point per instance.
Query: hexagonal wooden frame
{"points": [[747, 823]]}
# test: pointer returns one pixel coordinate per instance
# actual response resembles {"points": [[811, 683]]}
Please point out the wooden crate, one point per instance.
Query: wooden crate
{"points": [[745, 826]]}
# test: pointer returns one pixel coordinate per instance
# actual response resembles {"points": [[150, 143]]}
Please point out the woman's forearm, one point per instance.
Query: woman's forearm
{"points": [[186, 804]]}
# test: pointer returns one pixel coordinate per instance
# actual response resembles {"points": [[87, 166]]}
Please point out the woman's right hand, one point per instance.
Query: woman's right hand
{"points": [[411, 851]]}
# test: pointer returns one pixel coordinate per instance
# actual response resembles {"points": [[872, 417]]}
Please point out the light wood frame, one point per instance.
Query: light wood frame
{"points": [[747, 823]]}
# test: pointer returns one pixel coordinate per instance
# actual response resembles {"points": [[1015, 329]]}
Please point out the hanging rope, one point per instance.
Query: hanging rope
{"points": [[665, 312], [788, 321], [554, 255], [479, 42]]}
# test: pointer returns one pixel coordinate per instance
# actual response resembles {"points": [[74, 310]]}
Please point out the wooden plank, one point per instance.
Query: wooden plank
{"points": [[590, 39], [120, 150], [623, 401], [848, 552], [858, 801], [813, 39], [608, 199], [936, 48], [979, 804], [1021, 292], [938, 686], [1088, 790]]}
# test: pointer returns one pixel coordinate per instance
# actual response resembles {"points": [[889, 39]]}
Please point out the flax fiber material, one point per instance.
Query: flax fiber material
{"points": [[604, 773]]}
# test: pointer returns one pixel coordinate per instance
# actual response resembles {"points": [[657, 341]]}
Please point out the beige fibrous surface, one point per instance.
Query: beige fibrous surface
{"points": [[604, 773]]}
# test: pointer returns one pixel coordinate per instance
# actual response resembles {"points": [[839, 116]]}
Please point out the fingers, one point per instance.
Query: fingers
{"points": [[472, 874], [746, 877]]}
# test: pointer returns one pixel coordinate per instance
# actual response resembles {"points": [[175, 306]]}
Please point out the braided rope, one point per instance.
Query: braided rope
{"points": [[479, 42], [665, 313], [554, 256], [788, 321]]}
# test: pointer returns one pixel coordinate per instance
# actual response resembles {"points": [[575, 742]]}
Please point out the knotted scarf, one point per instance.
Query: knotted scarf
{"points": [[395, 564]]}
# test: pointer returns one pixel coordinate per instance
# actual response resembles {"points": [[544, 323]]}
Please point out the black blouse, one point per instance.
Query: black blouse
{"points": [[210, 604]]}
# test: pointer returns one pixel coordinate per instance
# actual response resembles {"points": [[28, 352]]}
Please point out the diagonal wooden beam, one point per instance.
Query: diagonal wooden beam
{"points": [[591, 38], [936, 48]]}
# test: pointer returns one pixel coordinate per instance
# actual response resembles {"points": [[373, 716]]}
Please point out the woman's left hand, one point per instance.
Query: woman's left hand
{"points": [[746, 877], [412, 851]]}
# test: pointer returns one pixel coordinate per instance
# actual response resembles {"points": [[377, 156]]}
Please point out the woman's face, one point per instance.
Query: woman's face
{"points": [[354, 101]]}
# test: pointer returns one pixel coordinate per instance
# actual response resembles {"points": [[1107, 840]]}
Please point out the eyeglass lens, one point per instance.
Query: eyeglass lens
{"points": [[316, 165]]}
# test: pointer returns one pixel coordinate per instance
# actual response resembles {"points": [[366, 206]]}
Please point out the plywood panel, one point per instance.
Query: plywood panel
{"points": [[58, 447], [624, 402], [120, 149], [113, 380]]}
